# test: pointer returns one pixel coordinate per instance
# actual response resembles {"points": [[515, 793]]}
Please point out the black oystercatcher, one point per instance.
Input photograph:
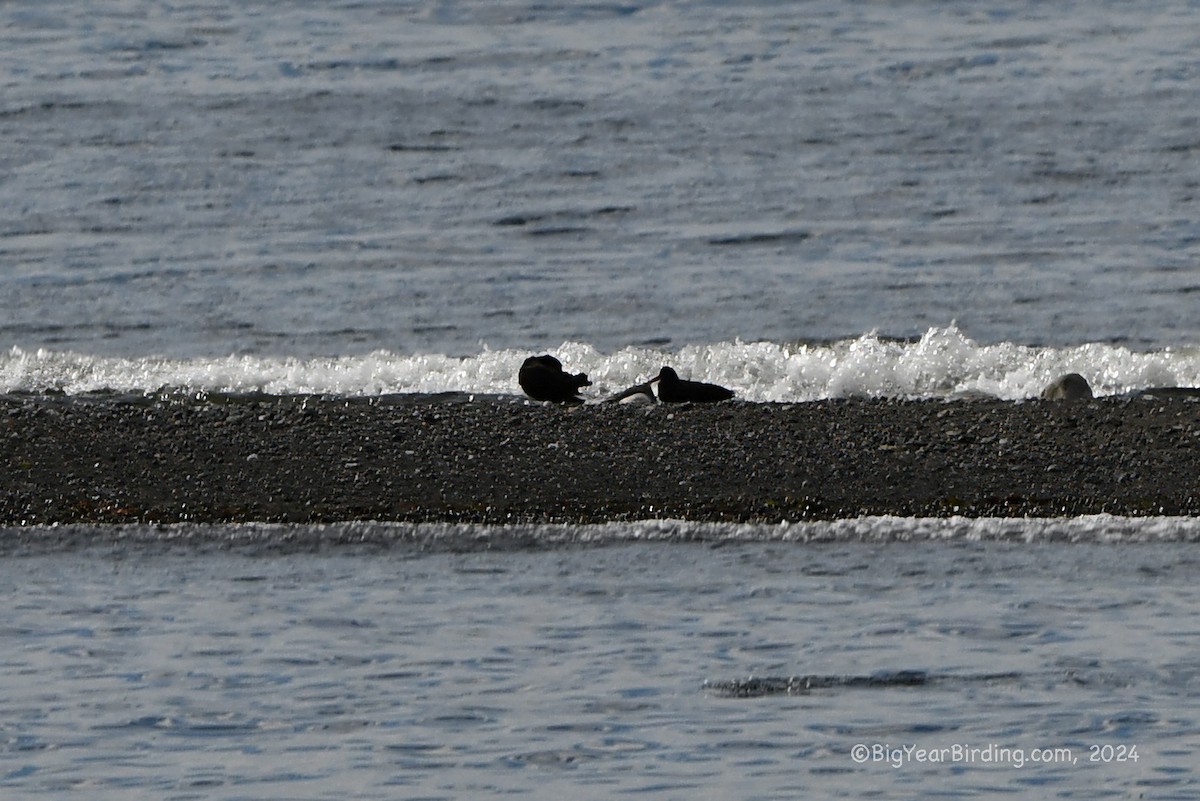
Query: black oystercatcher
{"points": [[639, 393], [673, 389], [543, 379]]}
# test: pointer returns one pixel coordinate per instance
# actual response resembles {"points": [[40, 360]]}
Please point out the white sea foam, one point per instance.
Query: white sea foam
{"points": [[942, 363], [1101, 528], [466, 537]]}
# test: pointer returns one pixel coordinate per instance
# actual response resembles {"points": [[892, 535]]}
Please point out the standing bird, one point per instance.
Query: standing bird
{"points": [[543, 379], [673, 389]]}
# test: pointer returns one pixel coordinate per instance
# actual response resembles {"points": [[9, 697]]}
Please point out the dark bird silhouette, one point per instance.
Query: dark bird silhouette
{"points": [[543, 379], [641, 392], [673, 389]]}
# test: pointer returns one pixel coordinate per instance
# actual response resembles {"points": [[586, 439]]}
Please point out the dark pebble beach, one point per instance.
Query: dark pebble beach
{"points": [[74, 459]]}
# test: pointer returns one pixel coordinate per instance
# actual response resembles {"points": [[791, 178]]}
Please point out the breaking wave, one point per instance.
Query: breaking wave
{"points": [[944, 362], [270, 538]]}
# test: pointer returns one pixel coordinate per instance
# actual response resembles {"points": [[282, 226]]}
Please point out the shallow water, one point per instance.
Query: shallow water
{"points": [[373, 672]]}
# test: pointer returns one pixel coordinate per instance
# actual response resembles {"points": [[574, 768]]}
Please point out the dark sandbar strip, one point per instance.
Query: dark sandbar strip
{"points": [[293, 459]]}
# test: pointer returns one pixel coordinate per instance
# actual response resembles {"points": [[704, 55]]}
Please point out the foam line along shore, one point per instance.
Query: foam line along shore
{"points": [[500, 460], [943, 362]]}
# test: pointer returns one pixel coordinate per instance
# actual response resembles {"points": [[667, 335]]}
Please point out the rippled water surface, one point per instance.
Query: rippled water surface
{"points": [[658, 670], [322, 178]]}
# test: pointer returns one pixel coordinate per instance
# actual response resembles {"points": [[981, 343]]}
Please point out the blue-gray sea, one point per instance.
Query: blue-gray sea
{"points": [[797, 199], [736, 667]]}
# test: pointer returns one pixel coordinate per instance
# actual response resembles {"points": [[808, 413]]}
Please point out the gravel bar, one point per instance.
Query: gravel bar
{"points": [[73, 459]]}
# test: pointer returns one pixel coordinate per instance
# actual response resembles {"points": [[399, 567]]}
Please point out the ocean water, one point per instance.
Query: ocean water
{"points": [[958, 657], [308, 179], [798, 200]]}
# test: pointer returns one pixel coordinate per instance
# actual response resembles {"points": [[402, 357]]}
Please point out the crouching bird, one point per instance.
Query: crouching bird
{"points": [[673, 389], [543, 379]]}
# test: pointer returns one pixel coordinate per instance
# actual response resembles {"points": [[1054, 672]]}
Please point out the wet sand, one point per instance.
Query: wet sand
{"points": [[306, 459]]}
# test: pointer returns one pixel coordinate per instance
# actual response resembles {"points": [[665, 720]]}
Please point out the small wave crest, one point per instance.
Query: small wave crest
{"points": [[270, 538], [944, 362]]}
